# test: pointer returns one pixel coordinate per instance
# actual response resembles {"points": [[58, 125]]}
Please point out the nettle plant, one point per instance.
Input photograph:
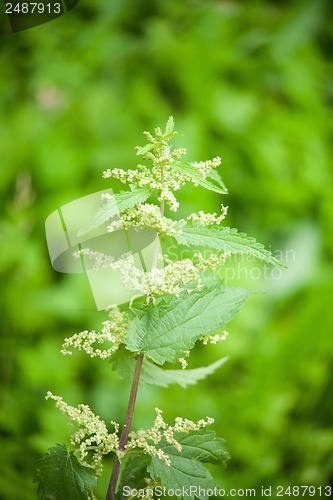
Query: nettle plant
{"points": [[175, 304]]}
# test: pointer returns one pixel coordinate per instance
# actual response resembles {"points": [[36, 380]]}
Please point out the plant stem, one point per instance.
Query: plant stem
{"points": [[126, 428], [134, 389]]}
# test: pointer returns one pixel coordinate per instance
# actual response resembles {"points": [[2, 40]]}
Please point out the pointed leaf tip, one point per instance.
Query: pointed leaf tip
{"points": [[169, 126]]}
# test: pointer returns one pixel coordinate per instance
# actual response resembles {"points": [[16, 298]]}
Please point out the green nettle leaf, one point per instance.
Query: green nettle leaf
{"points": [[187, 470], [152, 374], [165, 331], [134, 473], [144, 149], [224, 239], [117, 204], [215, 176], [61, 476], [200, 179], [161, 329], [169, 126]]}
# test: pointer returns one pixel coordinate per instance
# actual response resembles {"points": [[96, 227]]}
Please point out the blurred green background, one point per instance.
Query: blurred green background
{"points": [[250, 81]]}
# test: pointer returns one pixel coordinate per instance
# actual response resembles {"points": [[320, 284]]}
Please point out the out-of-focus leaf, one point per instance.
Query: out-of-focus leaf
{"points": [[134, 473], [152, 374]]}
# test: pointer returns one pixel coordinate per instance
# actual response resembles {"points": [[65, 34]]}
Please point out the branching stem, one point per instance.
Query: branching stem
{"points": [[126, 428]]}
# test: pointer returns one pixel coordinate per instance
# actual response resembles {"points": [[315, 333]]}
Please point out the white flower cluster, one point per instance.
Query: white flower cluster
{"points": [[152, 283], [165, 176], [204, 167], [171, 180], [102, 261], [113, 331], [212, 262], [148, 439], [159, 281], [209, 219], [94, 435], [146, 215], [214, 339], [183, 361]]}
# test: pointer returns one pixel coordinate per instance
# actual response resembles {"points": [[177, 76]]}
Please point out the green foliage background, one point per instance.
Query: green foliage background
{"points": [[249, 81]]}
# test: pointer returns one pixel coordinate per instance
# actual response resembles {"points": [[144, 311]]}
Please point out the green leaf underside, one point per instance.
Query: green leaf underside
{"points": [[61, 476], [169, 126], [152, 374], [225, 239], [165, 331], [215, 176], [144, 149], [117, 204], [200, 179], [133, 473], [186, 469]]}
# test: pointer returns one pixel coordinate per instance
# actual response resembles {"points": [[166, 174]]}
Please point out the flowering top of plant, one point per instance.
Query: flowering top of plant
{"points": [[176, 304], [167, 173]]}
